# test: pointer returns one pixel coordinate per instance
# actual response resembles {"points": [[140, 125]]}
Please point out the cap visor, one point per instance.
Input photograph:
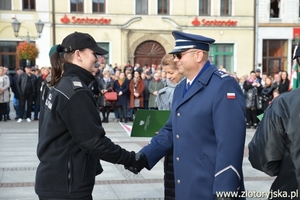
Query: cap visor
{"points": [[98, 50], [178, 50]]}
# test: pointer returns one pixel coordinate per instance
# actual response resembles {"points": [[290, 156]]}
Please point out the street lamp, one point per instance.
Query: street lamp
{"points": [[16, 27]]}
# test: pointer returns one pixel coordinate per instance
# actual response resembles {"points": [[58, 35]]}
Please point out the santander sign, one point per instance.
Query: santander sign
{"points": [[84, 20], [205, 22]]}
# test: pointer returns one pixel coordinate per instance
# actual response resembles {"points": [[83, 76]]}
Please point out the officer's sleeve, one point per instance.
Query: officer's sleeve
{"points": [[160, 145], [266, 148], [230, 130]]}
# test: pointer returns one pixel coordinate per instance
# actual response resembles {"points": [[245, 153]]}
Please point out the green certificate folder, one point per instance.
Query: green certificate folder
{"points": [[147, 122]]}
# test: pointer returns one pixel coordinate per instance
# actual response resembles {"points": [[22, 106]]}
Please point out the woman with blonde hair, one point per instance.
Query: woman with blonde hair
{"points": [[164, 102]]}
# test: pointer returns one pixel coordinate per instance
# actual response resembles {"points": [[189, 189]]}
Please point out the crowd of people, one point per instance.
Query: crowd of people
{"points": [[24, 85], [259, 90]]}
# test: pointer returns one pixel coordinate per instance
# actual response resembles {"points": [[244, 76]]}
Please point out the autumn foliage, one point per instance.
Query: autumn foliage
{"points": [[27, 51]]}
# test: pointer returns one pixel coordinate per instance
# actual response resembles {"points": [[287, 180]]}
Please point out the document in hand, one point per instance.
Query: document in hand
{"points": [[147, 122]]}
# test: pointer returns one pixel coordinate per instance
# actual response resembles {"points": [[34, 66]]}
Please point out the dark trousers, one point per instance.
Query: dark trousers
{"points": [[3, 110], [251, 116], [23, 100], [122, 110]]}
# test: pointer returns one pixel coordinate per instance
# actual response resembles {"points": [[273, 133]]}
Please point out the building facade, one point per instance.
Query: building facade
{"points": [[138, 31], [278, 33]]}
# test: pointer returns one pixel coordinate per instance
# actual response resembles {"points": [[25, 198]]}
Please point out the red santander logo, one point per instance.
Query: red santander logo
{"points": [[65, 19]]}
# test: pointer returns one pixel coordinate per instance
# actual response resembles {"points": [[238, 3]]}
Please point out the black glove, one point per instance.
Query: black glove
{"points": [[138, 164]]}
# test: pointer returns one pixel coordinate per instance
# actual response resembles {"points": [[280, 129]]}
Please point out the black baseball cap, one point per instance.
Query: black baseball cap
{"points": [[78, 41]]}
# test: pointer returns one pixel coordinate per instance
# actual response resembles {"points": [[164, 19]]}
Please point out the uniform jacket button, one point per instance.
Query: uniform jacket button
{"points": [[177, 136], [177, 158], [178, 114], [178, 181]]}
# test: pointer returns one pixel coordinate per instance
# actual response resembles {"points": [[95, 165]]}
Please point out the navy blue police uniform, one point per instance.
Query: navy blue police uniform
{"points": [[206, 130]]}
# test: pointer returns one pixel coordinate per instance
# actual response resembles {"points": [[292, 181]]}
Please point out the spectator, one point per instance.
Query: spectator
{"points": [[257, 73], [267, 93], [252, 88], [284, 83], [4, 94], [129, 110], [277, 80], [6, 72], [105, 85], [147, 80], [121, 87], [27, 88], [14, 87], [154, 86], [136, 88], [40, 80]]}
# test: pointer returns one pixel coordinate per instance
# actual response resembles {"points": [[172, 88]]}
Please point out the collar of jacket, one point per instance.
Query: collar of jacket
{"points": [[71, 70]]}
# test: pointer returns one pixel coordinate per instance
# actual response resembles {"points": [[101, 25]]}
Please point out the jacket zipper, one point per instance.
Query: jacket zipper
{"points": [[69, 174]]}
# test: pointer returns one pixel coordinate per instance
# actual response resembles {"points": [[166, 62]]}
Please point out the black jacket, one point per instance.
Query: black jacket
{"points": [[274, 148], [71, 139], [22, 81]]}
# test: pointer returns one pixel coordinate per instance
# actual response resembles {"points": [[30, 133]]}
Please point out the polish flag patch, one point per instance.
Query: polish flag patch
{"points": [[230, 95]]}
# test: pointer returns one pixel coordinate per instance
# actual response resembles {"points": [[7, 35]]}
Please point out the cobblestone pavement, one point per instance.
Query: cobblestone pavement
{"points": [[18, 164]]}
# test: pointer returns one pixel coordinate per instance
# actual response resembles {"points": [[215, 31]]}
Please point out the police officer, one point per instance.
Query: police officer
{"points": [[206, 128], [71, 138]]}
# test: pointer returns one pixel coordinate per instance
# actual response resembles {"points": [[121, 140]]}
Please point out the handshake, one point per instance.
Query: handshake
{"points": [[138, 163]]}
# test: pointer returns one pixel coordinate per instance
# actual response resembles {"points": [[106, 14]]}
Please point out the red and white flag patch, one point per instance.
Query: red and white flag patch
{"points": [[230, 95]]}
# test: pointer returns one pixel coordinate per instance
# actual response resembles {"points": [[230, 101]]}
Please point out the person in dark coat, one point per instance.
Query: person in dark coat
{"points": [[284, 83], [121, 86], [105, 85], [71, 138], [200, 128]]}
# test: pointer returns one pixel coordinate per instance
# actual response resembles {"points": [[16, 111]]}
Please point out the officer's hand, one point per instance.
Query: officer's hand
{"points": [[138, 164]]}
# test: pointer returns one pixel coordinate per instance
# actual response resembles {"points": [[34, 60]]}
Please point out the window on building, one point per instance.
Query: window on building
{"points": [[163, 7], [28, 4], [274, 56], [76, 5], [141, 7], [274, 8], [222, 54], [204, 7], [225, 8], [98, 6], [104, 59], [5, 5]]}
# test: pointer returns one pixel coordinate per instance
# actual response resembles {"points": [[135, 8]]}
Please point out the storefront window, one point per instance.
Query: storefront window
{"points": [[28, 4], [163, 7], [204, 7], [222, 54], [141, 7], [225, 8], [274, 56], [98, 6], [76, 5], [5, 5]]}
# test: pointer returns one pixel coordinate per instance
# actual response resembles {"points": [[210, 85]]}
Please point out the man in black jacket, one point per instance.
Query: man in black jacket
{"points": [[27, 88]]}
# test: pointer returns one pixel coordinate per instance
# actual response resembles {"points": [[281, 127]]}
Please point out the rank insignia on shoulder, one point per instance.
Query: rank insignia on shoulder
{"points": [[77, 83], [230, 95], [221, 74]]}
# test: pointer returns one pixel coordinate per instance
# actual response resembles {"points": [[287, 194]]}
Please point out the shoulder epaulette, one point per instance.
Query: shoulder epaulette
{"points": [[221, 74]]}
